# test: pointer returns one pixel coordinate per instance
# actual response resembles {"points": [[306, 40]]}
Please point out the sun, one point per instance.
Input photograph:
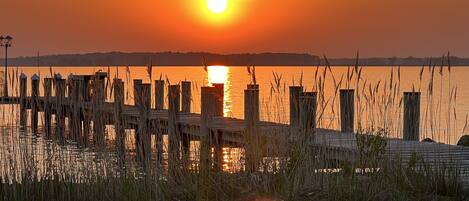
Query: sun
{"points": [[217, 6]]}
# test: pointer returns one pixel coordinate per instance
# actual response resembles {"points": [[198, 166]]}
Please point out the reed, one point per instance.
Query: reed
{"points": [[293, 171]]}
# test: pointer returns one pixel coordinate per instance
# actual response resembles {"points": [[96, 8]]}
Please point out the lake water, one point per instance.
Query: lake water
{"points": [[379, 90]]}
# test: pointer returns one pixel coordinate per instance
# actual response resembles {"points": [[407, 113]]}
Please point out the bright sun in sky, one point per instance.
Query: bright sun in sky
{"points": [[217, 6]]}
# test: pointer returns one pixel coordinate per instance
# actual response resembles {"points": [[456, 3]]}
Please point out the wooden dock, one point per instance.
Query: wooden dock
{"points": [[85, 102]]}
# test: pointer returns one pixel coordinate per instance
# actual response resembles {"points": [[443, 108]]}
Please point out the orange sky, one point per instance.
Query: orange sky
{"points": [[337, 28]]}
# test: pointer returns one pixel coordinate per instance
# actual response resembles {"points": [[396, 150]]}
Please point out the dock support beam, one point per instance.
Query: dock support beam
{"points": [[59, 109], [47, 106], [76, 104], [118, 116], [295, 93], [98, 102], [143, 131], [206, 116], [411, 116], [174, 101], [217, 137], [186, 97], [86, 97], [23, 91], [34, 103], [252, 135], [347, 110], [159, 105], [308, 107], [159, 94]]}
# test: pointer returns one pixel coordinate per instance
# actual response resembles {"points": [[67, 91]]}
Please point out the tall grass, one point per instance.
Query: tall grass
{"points": [[292, 168]]}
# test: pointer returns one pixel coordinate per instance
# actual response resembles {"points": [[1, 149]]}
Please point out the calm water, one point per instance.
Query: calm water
{"points": [[443, 110]]}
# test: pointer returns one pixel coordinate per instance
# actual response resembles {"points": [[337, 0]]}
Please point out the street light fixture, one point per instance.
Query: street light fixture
{"points": [[6, 42]]}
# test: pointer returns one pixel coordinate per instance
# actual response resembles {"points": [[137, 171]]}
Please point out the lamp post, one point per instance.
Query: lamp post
{"points": [[6, 42]]}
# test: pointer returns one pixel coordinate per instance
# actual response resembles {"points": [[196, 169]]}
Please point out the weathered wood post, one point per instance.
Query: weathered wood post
{"points": [[34, 103], [23, 91], [207, 114], [75, 87], [59, 109], [143, 131], [159, 105], [174, 101], [252, 136], [186, 96], [159, 94], [47, 105], [411, 116], [295, 93], [99, 98], [86, 116], [118, 116], [219, 99], [308, 107], [347, 111], [137, 83], [217, 137]]}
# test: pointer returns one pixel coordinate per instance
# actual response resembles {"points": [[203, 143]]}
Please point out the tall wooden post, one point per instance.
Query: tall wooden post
{"points": [[174, 101], [219, 99], [59, 109], [207, 114], [186, 97], [34, 103], [137, 83], [75, 87], [143, 131], [295, 93], [98, 102], [217, 137], [308, 107], [252, 136], [411, 116], [159, 105], [159, 94], [347, 111], [47, 106], [23, 91], [118, 116], [86, 115]]}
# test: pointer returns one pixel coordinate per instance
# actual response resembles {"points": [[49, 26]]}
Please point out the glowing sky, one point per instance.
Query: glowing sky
{"points": [[337, 28]]}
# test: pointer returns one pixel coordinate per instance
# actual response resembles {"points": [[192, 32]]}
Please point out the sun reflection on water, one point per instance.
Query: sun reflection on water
{"points": [[218, 75]]}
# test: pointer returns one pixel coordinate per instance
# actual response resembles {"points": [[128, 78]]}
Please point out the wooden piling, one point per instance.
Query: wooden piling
{"points": [[186, 97], [411, 116], [118, 116], [159, 94], [295, 93], [34, 103], [251, 119], [143, 131], [75, 87], [23, 91], [217, 137], [207, 114], [85, 96], [308, 107], [98, 102], [174, 100], [47, 106], [219, 99], [347, 111], [137, 83], [159, 105], [59, 109]]}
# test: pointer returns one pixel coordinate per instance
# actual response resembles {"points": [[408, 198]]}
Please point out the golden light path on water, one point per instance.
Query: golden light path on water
{"points": [[218, 75]]}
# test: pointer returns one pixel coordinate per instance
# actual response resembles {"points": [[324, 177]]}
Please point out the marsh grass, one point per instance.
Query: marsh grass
{"points": [[292, 170]]}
